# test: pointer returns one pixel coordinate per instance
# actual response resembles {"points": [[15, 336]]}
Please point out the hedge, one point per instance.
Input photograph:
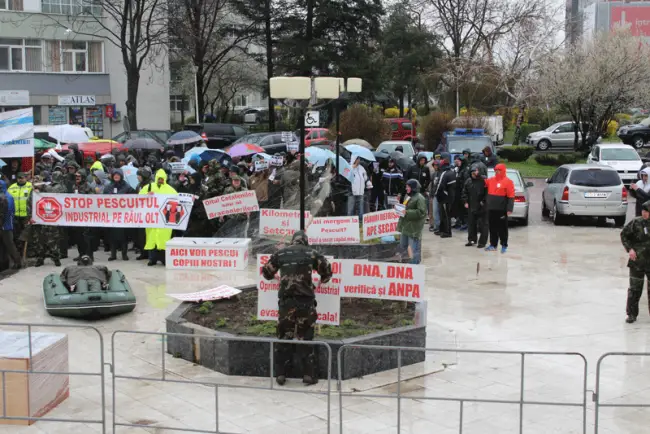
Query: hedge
{"points": [[557, 159], [516, 154]]}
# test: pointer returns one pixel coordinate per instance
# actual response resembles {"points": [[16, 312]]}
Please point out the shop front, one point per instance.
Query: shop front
{"points": [[78, 110]]}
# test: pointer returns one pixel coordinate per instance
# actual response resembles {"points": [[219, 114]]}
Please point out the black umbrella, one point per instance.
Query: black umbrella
{"points": [[401, 160], [143, 143]]}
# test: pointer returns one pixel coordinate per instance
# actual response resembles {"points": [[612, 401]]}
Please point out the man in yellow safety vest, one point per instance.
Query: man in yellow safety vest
{"points": [[21, 191]]}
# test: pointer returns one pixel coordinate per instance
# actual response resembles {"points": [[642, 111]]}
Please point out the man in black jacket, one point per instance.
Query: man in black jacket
{"points": [[118, 235], [422, 174], [392, 182], [473, 198], [462, 175], [446, 194]]}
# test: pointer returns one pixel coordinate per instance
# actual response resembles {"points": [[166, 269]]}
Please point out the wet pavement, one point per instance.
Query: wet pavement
{"points": [[558, 289]]}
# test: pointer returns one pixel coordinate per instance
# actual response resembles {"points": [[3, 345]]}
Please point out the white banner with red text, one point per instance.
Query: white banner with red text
{"points": [[207, 253], [383, 280], [327, 294], [241, 202], [114, 210], [380, 224], [280, 223], [334, 230]]}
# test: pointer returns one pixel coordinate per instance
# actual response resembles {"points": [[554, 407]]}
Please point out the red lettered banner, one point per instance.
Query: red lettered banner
{"points": [[280, 223], [111, 210], [327, 294], [380, 224], [384, 280], [234, 203]]}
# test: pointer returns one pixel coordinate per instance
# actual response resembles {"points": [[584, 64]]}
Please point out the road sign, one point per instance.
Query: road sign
{"points": [[48, 210], [312, 119]]}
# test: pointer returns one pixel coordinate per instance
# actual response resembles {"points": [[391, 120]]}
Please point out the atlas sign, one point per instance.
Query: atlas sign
{"points": [[49, 210]]}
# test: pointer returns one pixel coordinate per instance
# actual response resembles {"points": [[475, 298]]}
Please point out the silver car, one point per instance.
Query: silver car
{"points": [[522, 198], [560, 134], [587, 191]]}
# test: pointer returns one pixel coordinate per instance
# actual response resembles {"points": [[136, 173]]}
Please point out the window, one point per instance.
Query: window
{"points": [[71, 7], [11, 54], [34, 55], [240, 101], [179, 103], [407, 126], [11, 5], [595, 178], [81, 56], [619, 154], [566, 128], [239, 131]]}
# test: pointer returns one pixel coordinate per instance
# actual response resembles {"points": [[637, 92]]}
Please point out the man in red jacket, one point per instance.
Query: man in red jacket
{"points": [[500, 202]]}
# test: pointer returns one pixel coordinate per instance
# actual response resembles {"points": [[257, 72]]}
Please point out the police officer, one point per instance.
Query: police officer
{"points": [[21, 191], [635, 237], [296, 302]]}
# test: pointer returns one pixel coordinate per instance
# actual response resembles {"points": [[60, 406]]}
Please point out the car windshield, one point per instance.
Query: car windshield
{"points": [[619, 154], [595, 178], [251, 138], [553, 127], [645, 122], [456, 144], [390, 147], [513, 176]]}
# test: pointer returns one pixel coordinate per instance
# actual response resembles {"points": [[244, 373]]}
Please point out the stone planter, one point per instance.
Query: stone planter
{"points": [[249, 358]]}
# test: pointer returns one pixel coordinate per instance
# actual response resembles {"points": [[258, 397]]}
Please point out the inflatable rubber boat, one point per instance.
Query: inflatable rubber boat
{"points": [[85, 302]]}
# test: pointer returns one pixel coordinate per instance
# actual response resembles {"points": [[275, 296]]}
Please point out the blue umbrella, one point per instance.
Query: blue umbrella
{"points": [[2, 163], [130, 175], [184, 138], [345, 169], [361, 151], [207, 154], [319, 156]]}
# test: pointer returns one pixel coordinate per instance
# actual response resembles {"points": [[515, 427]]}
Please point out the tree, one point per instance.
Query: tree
{"points": [[596, 79], [137, 27], [209, 32], [409, 52]]}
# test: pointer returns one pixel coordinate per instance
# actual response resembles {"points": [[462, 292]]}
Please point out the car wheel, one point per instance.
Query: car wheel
{"points": [[543, 145], [619, 222], [601, 221], [545, 211], [524, 221], [638, 142], [558, 219]]}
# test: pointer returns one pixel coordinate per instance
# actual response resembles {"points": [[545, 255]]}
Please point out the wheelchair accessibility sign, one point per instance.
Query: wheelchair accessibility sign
{"points": [[312, 119]]}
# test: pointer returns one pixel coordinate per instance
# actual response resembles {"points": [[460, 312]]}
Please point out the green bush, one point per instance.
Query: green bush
{"points": [[516, 154], [360, 122], [433, 127], [556, 159], [526, 129]]}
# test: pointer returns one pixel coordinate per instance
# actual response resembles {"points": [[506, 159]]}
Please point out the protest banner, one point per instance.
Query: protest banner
{"points": [[207, 253], [17, 133], [234, 203], [178, 167], [334, 230], [380, 224], [221, 291], [383, 280], [293, 146], [113, 211], [327, 295], [277, 161], [261, 165], [279, 223]]}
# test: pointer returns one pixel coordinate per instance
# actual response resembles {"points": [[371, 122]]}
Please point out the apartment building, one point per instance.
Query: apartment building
{"points": [[71, 78]]}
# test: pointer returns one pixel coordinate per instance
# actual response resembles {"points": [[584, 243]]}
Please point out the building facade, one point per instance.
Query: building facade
{"points": [[588, 17], [70, 78]]}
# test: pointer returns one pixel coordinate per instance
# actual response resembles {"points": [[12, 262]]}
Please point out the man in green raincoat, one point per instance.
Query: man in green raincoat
{"points": [[157, 238]]}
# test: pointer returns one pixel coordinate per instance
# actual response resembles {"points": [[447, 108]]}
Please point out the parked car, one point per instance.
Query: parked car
{"points": [[636, 135], [467, 138], [561, 134], [390, 145], [315, 135], [402, 129], [217, 136], [585, 190], [522, 198], [271, 142], [160, 136], [623, 158], [493, 125]]}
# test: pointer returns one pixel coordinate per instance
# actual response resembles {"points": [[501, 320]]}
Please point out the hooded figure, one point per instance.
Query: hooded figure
{"points": [[7, 210], [500, 203], [296, 302], [641, 190], [489, 158], [473, 199], [156, 239], [117, 235], [446, 194], [411, 223]]}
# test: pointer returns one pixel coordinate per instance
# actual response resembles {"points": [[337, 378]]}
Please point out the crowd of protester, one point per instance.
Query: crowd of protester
{"points": [[436, 190]]}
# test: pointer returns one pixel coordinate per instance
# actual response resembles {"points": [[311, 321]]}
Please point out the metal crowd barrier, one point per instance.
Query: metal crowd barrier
{"points": [[30, 371], [521, 402], [216, 385], [597, 402]]}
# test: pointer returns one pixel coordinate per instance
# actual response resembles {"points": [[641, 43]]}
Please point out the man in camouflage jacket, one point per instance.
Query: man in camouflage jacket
{"points": [[46, 238], [635, 237], [296, 302]]}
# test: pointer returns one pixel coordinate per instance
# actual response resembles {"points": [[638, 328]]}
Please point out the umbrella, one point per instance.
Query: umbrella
{"points": [[207, 154], [40, 144], [362, 152], [319, 156], [2, 163], [130, 175], [68, 134], [401, 160], [143, 143], [359, 142], [264, 156], [345, 169], [90, 148], [184, 138], [242, 149]]}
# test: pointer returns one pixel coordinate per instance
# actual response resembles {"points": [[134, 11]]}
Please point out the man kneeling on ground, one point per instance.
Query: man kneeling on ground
{"points": [[95, 276]]}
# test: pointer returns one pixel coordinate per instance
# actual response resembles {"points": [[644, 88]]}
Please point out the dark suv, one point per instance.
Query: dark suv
{"points": [[636, 135], [218, 136]]}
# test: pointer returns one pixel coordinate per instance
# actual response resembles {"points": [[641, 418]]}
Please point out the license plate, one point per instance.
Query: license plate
{"points": [[595, 195]]}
